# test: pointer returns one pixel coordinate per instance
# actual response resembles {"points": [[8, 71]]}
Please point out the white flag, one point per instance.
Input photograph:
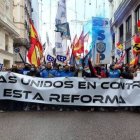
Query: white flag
{"points": [[48, 52], [60, 43]]}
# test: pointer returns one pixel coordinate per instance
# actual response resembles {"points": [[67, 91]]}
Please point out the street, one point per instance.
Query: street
{"points": [[54, 125]]}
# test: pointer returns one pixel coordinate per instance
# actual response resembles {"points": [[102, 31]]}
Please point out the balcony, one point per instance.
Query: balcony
{"points": [[21, 42]]}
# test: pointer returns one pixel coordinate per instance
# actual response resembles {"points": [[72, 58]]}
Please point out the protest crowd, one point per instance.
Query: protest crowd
{"points": [[50, 70], [77, 61]]}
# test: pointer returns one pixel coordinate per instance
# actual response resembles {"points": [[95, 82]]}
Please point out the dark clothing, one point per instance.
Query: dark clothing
{"points": [[34, 74], [86, 74], [15, 70], [127, 75], [92, 70]]}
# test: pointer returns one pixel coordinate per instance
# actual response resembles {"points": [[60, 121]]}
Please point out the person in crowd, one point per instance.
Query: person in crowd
{"points": [[80, 70], [73, 70], [95, 73], [41, 69], [86, 72], [33, 72], [48, 72], [26, 69], [14, 68], [114, 72], [138, 72], [103, 72], [127, 73], [59, 69], [4, 69], [14, 105], [66, 72]]}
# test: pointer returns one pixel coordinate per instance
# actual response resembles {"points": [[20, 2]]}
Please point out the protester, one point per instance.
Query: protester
{"points": [[57, 70], [80, 71], [14, 68], [26, 69], [33, 71], [103, 72], [114, 72], [66, 72], [138, 72], [126, 73], [48, 72], [73, 70], [4, 69]]}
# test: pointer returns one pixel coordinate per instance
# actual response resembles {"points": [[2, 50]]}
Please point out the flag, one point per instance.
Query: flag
{"points": [[79, 46], [49, 51], [134, 61], [121, 58], [64, 30], [72, 57], [87, 58], [74, 41], [138, 24], [136, 44], [119, 46], [35, 51]]}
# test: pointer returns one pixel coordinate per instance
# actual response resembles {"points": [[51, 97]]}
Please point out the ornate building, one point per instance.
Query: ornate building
{"points": [[7, 33], [125, 14], [22, 13]]}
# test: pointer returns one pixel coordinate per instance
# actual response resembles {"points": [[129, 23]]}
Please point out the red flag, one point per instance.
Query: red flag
{"points": [[134, 61], [74, 41], [79, 46], [35, 51], [138, 24], [119, 46], [136, 44]]}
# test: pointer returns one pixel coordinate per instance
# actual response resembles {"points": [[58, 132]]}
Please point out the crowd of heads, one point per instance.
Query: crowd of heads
{"points": [[49, 70]]}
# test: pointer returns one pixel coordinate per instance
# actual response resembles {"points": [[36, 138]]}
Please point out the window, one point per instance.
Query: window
{"points": [[128, 24], [137, 17], [137, 13], [128, 55], [6, 43], [129, 28], [6, 63], [121, 33]]}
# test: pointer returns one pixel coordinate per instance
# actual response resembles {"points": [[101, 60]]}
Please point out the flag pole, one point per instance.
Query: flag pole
{"points": [[21, 58]]}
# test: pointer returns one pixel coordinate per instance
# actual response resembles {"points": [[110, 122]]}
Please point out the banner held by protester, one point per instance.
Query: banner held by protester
{"points": [[102, 40], [70, 91]]}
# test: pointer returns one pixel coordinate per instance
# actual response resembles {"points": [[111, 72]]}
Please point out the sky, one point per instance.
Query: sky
{"points": [[77, 15]]}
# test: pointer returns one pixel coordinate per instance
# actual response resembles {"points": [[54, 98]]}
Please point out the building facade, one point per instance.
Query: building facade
{"points": [[22, 13], [7, 33], [125, 14]]}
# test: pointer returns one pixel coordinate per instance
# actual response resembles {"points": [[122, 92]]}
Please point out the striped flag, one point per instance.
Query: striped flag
{"points": [[134, 61], [35, 51]]}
